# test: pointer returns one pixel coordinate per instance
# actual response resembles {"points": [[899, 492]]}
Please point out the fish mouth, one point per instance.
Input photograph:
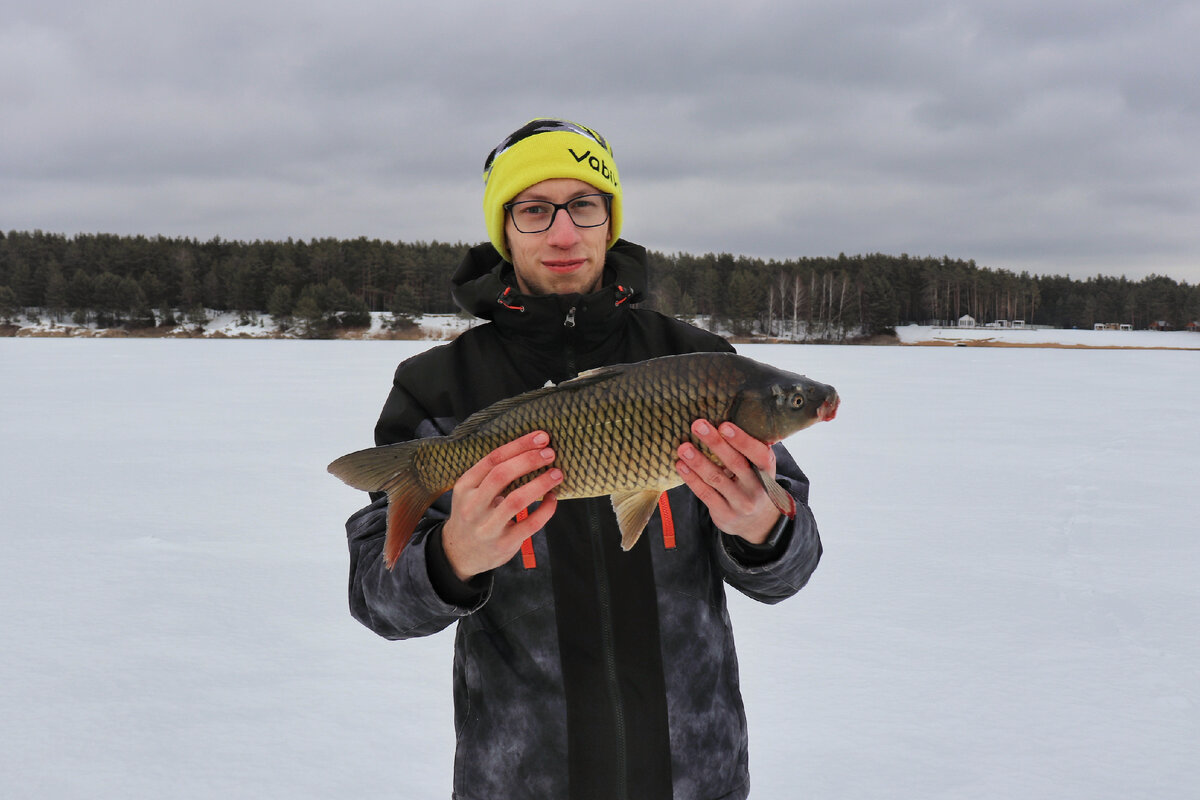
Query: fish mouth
{"points": [[829, 408]]}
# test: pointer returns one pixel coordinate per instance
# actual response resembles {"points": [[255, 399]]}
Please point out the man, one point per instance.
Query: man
{"points": [[580, 670]]}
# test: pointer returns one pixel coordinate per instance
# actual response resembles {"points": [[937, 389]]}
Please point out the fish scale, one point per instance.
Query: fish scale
{"points": [[615, 431], [629, 421]]}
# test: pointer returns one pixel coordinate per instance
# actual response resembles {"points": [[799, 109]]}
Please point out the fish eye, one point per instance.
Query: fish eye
{"points": [[798, 400]]}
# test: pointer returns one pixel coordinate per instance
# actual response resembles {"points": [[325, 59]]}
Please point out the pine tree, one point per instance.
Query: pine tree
{"points": [[109, 300], [404, 309], [56, 294], [197, 316], [10, 310], [81, 297], [166, 315], [743, 301], [280, 307], [308, 316]]}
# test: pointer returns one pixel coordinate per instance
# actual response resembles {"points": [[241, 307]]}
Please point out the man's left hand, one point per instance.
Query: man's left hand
{"points": [[735, 496]]}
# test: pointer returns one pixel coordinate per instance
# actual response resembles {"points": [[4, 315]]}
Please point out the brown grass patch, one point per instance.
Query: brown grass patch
{"points": [[882, 339]]}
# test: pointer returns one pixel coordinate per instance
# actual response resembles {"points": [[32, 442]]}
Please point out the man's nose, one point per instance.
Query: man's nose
{"points": [[562, 232]]}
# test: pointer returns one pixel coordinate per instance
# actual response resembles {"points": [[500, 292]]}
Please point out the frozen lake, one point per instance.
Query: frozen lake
{"points": [[1007, 606]]}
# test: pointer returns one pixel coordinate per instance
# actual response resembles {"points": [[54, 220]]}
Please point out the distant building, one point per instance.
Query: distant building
{"points": [[1160, 325], [966, 321], [1193, 326]]}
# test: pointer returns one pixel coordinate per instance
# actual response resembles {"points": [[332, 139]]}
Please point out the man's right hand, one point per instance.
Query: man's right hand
{"points": [[481, 533]]}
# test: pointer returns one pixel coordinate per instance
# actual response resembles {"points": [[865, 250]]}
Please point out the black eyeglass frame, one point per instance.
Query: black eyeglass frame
{"points": [[508, 207]]}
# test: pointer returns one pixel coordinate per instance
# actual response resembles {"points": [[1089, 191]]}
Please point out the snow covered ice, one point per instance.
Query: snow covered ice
{"points": [[1007, 606]]}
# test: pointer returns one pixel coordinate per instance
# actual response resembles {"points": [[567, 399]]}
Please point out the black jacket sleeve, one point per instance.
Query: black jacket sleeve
{"points": [[420, 595], [782, 566]]}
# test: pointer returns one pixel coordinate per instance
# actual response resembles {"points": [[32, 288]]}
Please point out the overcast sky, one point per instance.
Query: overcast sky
{"points": [[1041, 135]]}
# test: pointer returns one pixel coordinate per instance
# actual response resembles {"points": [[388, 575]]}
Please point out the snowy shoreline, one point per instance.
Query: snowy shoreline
{"points": [[230, 325], [1047, 337], [445, 327]]}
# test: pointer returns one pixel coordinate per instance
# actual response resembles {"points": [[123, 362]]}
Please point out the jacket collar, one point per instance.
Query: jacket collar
{"points": [[485, 285]]}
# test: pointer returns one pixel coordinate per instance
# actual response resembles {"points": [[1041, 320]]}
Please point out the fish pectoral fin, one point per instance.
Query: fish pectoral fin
{"points": [[634, 510], [779, 496]]}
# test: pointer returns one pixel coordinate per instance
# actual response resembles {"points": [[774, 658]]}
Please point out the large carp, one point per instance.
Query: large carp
{"points": [[614, 430]]}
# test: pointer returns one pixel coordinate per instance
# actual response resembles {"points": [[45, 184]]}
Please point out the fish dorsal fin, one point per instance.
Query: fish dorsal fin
{"points": [[501, 407], [590, 376]]}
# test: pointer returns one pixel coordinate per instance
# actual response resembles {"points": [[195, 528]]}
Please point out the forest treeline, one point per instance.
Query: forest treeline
{"points": [[324, 284]]}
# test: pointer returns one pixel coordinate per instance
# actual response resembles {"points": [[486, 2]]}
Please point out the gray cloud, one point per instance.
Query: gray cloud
{"points": [[1051, 136]]}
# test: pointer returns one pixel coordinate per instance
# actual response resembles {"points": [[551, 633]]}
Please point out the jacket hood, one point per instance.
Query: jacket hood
{"points": [[485, 284]]}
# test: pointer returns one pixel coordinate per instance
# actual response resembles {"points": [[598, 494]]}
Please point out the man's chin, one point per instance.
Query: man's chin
{"points": [[562, 284]]}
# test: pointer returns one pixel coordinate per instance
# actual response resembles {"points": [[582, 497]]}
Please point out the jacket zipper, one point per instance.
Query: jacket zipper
{"points": [[569, 343], [604, 601]]}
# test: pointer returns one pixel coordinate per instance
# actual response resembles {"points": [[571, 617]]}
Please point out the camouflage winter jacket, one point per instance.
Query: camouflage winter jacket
{"points": [[580, 670]]}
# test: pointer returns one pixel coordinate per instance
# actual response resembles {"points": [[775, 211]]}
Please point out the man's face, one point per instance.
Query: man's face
{"points": [[564, 259]]}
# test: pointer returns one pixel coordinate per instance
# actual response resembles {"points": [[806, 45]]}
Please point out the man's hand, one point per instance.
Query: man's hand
{"points": [[481, 533], [735, 496]]}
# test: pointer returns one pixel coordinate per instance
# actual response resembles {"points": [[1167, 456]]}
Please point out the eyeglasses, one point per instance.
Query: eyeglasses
{"points": [[535, 216]]}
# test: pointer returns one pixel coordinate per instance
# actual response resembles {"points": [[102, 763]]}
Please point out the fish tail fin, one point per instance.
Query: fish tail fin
{"points": [[390, 469]]}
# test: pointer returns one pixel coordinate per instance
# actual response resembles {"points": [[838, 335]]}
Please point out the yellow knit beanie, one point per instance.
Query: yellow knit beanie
{"points": [[544, 149]]}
